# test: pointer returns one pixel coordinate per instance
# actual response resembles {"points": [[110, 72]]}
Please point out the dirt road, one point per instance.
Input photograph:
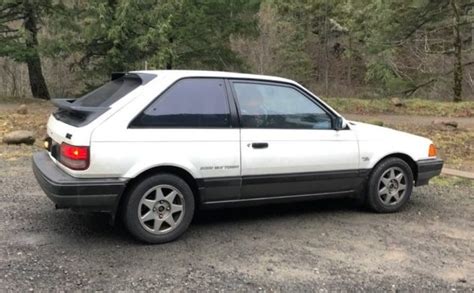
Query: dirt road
{"points": [[324, 245]]}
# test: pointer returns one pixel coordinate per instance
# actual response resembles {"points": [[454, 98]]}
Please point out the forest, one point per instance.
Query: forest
{"points": [[345, 48]]}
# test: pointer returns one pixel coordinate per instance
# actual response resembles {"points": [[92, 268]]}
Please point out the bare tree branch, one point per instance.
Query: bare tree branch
{"points": [[412, 90]]}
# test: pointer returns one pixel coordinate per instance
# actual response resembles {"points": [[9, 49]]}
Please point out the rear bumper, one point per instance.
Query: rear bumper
{"points": [[101, 194], [428, 169]]}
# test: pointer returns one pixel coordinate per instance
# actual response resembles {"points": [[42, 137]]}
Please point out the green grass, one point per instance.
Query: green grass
{"points": [[411, 107], [450, 181]]}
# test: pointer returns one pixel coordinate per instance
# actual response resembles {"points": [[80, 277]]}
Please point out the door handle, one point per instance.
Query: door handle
{"points": [[260, 145]]}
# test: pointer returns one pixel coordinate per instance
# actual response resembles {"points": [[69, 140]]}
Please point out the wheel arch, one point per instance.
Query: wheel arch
{"points": [[180, 172], [409, 160]]}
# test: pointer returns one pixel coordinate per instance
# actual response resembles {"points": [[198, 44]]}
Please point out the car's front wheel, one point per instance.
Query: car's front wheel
{"points": [[159, 209], [390, 186]]}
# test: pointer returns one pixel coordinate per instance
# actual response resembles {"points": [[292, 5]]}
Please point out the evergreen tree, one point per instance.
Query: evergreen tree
{"points": [[20, 22], [394, 24], [121, 35]]}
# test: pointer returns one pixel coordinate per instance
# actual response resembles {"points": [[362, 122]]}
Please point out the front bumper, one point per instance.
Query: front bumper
{"points": [[91, 194], [428, 169]]}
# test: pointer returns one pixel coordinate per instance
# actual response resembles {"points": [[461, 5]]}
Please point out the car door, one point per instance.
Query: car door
{"points": [[289, 146]]}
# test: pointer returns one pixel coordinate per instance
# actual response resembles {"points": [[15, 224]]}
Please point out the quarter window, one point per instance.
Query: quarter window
{"points": [[192, 102], [275, 106]]}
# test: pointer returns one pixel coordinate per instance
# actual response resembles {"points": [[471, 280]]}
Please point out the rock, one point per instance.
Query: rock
{"points": [[23, 110], [19, 137], [452, 124], [397, 102]]}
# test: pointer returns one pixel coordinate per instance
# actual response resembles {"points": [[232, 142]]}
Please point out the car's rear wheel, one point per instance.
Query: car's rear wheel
{"points": [[159, 208], [390, 186]]}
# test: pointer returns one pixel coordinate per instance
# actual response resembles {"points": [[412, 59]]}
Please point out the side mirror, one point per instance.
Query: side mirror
{"points": [[341, 123]]}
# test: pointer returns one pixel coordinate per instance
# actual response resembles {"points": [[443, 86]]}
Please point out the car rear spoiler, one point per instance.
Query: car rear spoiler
{"points": [[67, 105]]}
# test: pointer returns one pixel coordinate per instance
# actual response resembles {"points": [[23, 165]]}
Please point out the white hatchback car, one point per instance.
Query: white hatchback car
{"points": [[152, 146]]}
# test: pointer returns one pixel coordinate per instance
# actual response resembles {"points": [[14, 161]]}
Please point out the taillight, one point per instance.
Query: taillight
{"points": [[432, 152], [74, 157]]}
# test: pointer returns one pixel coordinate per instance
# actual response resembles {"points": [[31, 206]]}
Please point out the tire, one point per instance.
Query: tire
{"points": [[389, 191], [158, 209]]}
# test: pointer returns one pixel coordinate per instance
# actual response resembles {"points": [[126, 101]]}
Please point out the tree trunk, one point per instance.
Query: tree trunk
{"points": [[35, 73], [326, 51], [169, 62], [458, 70], [349, 65]]}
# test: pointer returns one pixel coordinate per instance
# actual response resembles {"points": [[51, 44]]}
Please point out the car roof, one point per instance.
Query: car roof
{"points": [[177, 74]]}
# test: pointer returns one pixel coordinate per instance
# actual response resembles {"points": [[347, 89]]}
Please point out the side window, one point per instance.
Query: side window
{"points": [[274, 106], [191, 102]]}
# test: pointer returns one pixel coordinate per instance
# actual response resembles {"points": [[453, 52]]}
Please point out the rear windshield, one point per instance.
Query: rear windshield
{"points": [[110, 92], [101, 97]]}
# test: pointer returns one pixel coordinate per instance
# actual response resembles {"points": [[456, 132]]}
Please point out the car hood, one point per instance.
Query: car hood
{"points": [[377, 133]]}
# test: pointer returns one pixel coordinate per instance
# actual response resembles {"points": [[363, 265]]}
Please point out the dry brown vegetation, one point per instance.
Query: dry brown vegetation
{"points": [[455, 145], [35, 120], [410, 107]]}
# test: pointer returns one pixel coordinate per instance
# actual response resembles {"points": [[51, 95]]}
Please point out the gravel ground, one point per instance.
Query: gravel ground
{"points": [[323, 245]]}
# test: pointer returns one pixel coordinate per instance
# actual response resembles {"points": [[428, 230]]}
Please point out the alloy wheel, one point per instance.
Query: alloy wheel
{"points": [[161, 209], [392, 186]]}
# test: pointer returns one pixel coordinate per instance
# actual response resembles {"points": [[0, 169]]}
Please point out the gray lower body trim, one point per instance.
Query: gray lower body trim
{"points": [[280, 187], [277, 199], [428, 169], [101, 194]]}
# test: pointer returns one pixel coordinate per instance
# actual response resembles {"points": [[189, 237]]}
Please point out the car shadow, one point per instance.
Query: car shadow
{"points": [[89, 226], [271, 211], [96, 227]]}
